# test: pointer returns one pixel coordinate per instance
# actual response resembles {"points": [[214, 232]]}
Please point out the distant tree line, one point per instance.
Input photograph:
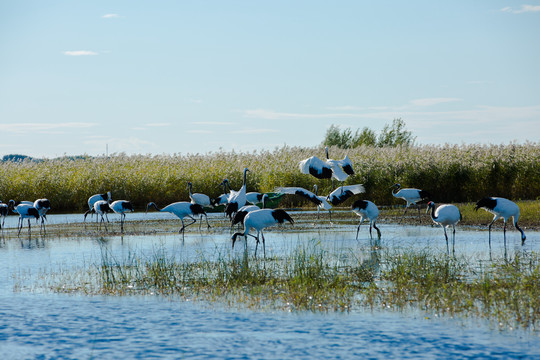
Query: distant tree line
{"points": [[390, 136]]}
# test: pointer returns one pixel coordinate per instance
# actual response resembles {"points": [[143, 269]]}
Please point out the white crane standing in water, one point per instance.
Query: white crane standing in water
{"points": [[501, 208], [259, 220], [366, 210], [181, 209], [411, 196], [446, 215]]}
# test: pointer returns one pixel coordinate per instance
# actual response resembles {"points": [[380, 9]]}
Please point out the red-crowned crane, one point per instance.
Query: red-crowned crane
{"points": [[335, 198], [501, 208], [12, 204], [259, 220], [4, 210], [445, 215], [255, 197], [341, 169], [122, 207], [201, 199], [342, 193], [223, 199], [244, 210], [97, 197], [181, 209], [42, 206], [411, 196], [320, 201], [25, 211], [101, 207], [367, 210], [338, 169], [237, 199]]}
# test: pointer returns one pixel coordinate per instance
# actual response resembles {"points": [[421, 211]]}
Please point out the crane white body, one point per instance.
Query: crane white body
{"points": [[367, 210], [101, 207], [13, 205], [343, 193], [93, 199], [200, 199], [341, 169], [121, 207], [256, 197], [410, 195], [315, 167], [42, 206], [4, 210], [242, 212], [329, 169], [318, 200], [259, 220], [237, 199], [501, 208], [25, 211], [445, 215], [181, 209]]}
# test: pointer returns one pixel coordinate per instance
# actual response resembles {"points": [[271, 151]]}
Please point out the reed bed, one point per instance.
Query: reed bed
{"points": [[451, 173], [504, 291]]}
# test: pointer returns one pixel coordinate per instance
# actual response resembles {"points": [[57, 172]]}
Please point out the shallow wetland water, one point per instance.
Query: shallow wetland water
{"points": [[35, 322]]}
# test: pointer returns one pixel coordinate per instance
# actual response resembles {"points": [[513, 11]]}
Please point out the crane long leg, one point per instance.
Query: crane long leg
{"points": [[378, 231], [403, 216], [358, 229], [200, 221], [257, 244], [504, 232], [489, 230], [122, 217], [185, 226], [264, 244], [446, 237], [454, 239]]}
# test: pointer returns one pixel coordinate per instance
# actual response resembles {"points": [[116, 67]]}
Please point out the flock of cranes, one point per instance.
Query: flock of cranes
{"points": [[240, 205]]}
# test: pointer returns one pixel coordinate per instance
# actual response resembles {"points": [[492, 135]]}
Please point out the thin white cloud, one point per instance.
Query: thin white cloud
{"points": [[199, 132], [345, 108], [80, 53], [432, 101], [522, 9], [479, 113], [254, 131], [274, 115], [43, 127], [214, 123], [110, 16], [158, 124]]}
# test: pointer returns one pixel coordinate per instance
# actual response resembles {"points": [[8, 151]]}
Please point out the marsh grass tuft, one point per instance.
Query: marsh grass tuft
{"points": [[312, 278]]}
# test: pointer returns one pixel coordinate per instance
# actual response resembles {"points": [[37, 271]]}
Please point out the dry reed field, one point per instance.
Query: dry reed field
{"points": [[450, 173]]}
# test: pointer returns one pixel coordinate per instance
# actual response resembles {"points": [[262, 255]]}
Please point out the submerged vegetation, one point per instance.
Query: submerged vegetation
{"points": [[450, 173], [311, 278]]}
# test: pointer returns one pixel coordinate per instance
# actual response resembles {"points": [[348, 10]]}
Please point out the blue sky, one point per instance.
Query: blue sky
{"points": [[200, 76]]}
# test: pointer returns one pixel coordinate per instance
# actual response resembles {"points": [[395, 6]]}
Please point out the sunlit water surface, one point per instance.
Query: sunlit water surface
{"points": [[36, 323]]}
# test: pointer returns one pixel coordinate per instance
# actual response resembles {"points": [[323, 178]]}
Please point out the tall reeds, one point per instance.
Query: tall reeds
{"points": [[451, 173]]}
